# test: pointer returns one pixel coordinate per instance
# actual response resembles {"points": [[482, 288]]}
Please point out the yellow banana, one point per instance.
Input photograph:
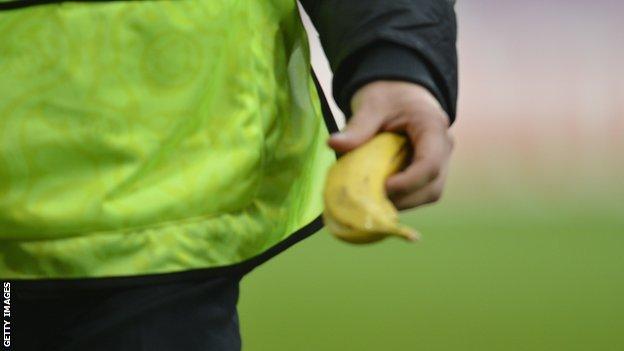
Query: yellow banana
{"points": [[357, 209]]}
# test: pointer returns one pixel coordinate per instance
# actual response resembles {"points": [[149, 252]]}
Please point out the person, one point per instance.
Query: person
{"points": [[152, 153]]}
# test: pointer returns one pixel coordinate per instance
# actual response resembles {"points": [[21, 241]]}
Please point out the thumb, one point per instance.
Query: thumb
{"points": [[361, 127]]}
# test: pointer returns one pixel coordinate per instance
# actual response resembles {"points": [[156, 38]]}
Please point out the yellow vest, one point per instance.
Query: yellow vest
{"points": [[142, 137]]}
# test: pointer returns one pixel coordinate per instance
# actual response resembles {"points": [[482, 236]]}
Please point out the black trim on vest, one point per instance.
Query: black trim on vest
{"points": [[328, 116], [236, 270], [20, 4]]}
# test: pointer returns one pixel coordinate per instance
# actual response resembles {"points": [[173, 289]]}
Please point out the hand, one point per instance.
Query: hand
{"points": [[412, 110]]}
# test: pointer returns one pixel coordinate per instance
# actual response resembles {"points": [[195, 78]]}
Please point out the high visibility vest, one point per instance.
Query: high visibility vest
{"points": [[142, 137]]}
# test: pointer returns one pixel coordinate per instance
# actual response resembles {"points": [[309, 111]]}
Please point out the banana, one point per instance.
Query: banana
{"points": [[357, 209]]}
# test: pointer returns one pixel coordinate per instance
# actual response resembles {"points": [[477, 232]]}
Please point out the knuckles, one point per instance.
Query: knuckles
{"points": [[434, 172]]}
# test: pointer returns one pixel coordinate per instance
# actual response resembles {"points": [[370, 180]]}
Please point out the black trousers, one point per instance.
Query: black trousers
{"points": [[172, 316]]}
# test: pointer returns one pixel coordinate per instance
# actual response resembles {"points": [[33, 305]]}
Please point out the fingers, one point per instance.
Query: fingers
{"points": [[361, 128], [431, 152], [430, 193], [423, 179]]}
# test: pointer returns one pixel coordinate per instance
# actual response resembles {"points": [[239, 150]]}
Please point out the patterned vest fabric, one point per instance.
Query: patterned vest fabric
{"points": [[154, 136]]}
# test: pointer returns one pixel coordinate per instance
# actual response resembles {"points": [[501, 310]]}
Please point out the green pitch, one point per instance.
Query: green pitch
{"points": [[515, 272]]}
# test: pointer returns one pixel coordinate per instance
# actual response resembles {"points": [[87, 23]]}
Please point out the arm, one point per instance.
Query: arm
{"points": [[368, 40], [395, 68]]}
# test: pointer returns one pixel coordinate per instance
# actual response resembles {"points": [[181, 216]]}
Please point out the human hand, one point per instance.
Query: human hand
{"points": [[409, 109]]}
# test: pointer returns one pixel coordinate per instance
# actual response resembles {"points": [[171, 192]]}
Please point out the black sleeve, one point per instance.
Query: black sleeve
{"points": [[409, 40]]}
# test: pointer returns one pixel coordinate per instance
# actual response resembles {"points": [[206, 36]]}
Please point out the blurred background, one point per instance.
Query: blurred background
{"points": [[526, 249]]}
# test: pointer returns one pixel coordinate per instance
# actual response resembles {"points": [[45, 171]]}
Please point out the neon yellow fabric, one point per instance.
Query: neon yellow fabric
{"points": [[142, 137]]}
